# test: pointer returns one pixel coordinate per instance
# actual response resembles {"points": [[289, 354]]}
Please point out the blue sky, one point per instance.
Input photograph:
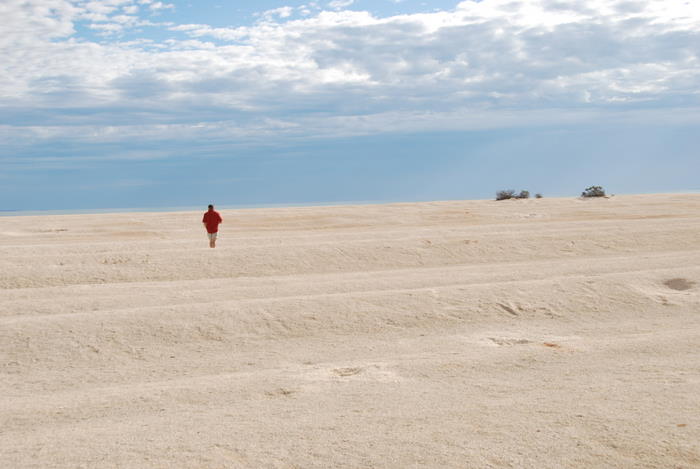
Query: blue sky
{"points": [[144, 103]]}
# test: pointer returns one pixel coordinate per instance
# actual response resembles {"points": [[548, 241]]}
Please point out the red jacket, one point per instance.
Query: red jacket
{"points": [[212, 220]]}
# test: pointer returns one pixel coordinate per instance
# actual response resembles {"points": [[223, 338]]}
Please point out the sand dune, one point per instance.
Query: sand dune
{"points": [[552, 333]]}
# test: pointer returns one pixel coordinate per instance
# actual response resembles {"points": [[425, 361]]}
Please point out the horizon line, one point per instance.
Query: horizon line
{"points": [[343, 203]]}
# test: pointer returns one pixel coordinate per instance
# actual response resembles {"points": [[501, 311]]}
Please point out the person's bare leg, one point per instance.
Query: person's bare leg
{"points": [[212, 243]]}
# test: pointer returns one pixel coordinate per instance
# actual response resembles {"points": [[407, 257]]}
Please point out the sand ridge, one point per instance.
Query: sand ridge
{"points": [[525, 333]]}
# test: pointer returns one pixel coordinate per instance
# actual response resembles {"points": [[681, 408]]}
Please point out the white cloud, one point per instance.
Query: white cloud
{"points": [[281, 12], [107, 28], [155, 6], [493, 62], [339, 4], [202, 30]]}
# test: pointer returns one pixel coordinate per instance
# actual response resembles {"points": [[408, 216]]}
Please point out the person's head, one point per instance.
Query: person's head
{"points": [[211, 207]]}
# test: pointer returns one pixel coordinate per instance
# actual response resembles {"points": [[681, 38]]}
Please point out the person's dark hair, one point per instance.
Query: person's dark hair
{"points": [[211, 206]]}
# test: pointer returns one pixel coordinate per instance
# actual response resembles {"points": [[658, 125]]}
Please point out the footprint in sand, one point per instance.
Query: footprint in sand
{"points": [[551, 345], [380, 372], [679, 284], [347, 371], [502, 342], [508, 309], [280, 392]]}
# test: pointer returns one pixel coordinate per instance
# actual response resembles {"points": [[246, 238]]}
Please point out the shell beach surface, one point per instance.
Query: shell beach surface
{"points": [[538, 333]]}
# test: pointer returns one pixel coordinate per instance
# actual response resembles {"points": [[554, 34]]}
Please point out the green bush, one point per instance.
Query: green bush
{"points": [[593, 191], [505, 195]]}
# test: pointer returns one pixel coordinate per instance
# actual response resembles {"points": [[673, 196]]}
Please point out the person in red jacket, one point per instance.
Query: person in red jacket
{"points": [[211, 221]]}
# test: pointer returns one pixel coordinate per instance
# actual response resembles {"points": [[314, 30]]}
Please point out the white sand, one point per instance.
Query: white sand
{"points": [[553, 333]]}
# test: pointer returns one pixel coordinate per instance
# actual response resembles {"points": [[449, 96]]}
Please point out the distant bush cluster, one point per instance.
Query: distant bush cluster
{"points": [[510, 194], [593, 191]]}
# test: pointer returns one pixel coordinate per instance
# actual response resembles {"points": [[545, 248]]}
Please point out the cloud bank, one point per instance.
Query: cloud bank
{"points": [[319, 71]]}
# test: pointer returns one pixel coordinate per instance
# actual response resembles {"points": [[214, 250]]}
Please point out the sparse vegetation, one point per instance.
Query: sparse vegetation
{"points": [[511, 194], [593, 191], [538, 196], [506, 194]]}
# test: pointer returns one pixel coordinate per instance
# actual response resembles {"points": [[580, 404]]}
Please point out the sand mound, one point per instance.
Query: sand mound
{"points": [[529, 333]]}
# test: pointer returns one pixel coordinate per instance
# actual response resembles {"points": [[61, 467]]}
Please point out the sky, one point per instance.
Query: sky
{"points": [[148, 104]]}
